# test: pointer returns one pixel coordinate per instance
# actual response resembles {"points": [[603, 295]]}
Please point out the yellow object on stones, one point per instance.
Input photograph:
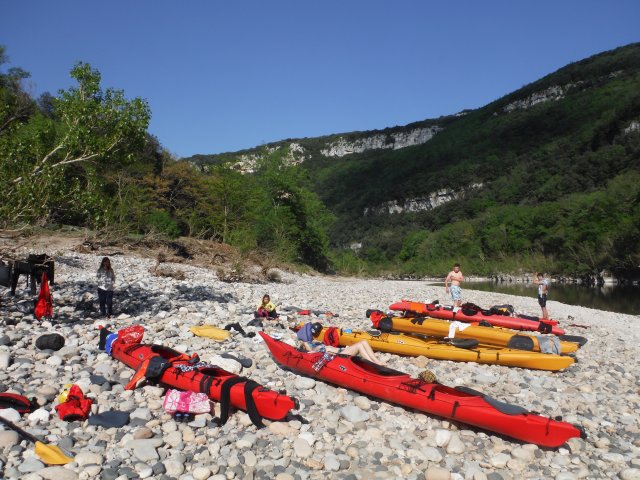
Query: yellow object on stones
{"points": [[65, 391], [209, 331], [51, 454]]}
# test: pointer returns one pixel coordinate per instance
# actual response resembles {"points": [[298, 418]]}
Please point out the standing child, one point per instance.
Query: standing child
{"points": [[543, 291], [106, 282]]}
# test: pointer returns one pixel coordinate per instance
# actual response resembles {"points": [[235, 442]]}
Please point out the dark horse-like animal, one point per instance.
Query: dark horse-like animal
{"points": [[34, 266]]}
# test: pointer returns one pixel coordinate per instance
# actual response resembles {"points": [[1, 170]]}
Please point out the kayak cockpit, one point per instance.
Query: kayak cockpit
{"points": [[165, 352]]}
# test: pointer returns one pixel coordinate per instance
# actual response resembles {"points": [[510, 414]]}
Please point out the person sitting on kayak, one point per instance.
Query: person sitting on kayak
{"points": [[266, 309], [309, 331]]}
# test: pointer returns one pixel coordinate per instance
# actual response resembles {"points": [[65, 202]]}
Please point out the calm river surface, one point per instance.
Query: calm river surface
{"points": [[614, 298]]}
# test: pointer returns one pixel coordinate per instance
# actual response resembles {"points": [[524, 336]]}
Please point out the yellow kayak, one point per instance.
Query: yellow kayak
{"points": [[410, 345], [500, 337]]}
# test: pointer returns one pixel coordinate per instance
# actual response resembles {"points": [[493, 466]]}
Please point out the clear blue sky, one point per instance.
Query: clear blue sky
{"points": [[226, 75]]}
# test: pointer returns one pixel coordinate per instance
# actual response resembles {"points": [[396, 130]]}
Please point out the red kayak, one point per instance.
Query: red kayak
{"points": [[461, 404], [177, 370], [470, 316]]}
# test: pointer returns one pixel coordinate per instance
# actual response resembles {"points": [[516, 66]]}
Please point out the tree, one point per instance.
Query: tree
{"points": [[233, 200], [51, 166], [291, 220], [15, 104], [95, 124]]}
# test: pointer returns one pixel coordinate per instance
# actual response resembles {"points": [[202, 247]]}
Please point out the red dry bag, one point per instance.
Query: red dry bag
{"points": [[44, 304]]}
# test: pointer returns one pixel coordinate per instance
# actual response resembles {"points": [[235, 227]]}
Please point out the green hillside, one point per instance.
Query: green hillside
{"points": [[558, 181], [545, 178]]}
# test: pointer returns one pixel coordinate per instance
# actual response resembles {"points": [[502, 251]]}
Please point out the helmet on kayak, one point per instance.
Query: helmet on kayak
{"points": [[309, 330], [316, 328]]}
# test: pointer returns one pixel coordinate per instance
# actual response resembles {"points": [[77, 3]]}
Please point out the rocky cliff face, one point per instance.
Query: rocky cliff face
{"points": [[554, 93], [247, 163], [422, 203], [634, 126], [296, 153], [393, 141], [551, 94]]}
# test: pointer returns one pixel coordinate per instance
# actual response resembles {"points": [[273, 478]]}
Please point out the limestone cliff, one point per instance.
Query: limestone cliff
{"points": [[247, 162], [296, 153], [394, 141], [551, 94], [422, 203]]}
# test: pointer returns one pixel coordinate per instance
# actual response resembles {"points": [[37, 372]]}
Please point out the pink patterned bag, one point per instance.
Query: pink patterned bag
{"points": [[186, 402]]}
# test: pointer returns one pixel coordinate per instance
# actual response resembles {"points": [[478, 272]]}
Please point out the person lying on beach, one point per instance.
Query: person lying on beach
{"points": [[309, 331]]}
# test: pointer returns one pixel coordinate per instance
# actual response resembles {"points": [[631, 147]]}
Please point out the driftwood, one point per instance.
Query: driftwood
{"points": [[229, 263]]}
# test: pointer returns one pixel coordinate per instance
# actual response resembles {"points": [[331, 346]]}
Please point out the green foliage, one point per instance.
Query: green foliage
{"points": [[523, 158], [290, 220], [555, 185], [580, 234], [161, 221], [51, 166]]}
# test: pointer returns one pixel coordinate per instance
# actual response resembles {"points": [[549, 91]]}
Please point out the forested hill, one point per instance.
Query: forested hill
{"points": [[546, 177]]}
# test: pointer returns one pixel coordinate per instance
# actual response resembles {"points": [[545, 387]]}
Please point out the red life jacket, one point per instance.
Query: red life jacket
{"points": [[332, 337], [76, 407]]}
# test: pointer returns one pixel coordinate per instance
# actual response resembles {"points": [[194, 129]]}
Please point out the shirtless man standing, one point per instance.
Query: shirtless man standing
{"points": [[543, 291], [455, 278]]}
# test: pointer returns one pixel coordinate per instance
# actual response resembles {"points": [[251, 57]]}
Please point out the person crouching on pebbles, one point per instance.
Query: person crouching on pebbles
{"points": [[266, 309], [309, 331]]}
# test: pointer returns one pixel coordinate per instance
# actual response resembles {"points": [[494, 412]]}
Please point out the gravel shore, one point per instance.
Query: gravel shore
{"points": [[369, 440]]}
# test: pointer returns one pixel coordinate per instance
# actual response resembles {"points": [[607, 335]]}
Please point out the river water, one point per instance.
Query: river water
{"points": [[612, 298]]}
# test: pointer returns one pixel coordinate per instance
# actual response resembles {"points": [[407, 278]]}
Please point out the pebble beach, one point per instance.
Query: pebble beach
{"points": [[344, 435]]}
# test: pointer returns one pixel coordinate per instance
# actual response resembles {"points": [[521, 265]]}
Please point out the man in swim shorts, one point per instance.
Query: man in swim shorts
{"points": [[452, 284], [543, 291]]}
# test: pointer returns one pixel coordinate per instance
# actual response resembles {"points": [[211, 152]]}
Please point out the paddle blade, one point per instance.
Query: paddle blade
{"points": [[51, 455]]}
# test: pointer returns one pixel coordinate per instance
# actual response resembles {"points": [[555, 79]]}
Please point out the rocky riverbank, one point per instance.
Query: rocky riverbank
{"points": [[347, 436]]}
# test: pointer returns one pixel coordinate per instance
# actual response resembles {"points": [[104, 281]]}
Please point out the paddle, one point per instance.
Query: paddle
{"points": [[50, 454]]}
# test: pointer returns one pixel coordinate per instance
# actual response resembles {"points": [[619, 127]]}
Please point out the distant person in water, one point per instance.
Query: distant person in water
{"points": [[310, 331], [266, 309], [106, 283], [452, 285], [543, 291]]}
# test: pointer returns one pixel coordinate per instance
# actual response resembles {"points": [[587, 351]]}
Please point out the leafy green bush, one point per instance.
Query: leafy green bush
{"points": [[161, 221]]}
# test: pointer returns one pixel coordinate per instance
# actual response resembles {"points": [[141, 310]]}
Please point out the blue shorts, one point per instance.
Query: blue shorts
{"points": [[456, 292]]}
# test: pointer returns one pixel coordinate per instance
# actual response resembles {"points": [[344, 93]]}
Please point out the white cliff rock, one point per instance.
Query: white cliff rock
{"points": [[380, 141], [419, 204]]}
